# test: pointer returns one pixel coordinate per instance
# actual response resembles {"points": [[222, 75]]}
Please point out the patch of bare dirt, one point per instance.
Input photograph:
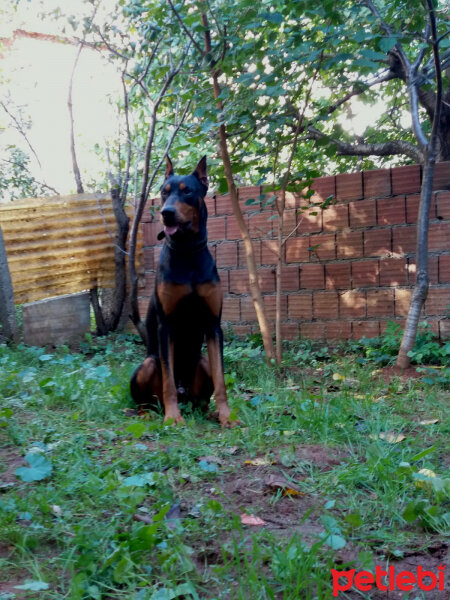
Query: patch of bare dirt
{"points": [[322, 457], [437, 554], [388, 373], [10, 460]]}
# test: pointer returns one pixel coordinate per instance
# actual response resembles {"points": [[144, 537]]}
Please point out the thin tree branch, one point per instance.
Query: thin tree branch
{"points": [[364, 149], [185, 29]]}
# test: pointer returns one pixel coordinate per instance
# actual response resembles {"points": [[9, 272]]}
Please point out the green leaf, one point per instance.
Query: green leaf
{"points": [[33, 586], [336, 542], [424, 453], [386, 44], [40, 468], [354, 519], [136, 429]]}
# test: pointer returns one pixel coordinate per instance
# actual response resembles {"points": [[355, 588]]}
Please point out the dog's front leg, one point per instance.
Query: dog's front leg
{"points": [[170, 395], [214, 342]]}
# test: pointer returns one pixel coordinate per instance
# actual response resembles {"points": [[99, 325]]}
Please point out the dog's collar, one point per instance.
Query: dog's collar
{"points": [[186, 248]]}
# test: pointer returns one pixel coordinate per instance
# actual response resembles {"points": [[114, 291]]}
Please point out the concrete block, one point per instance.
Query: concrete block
{"points": [[56, 321]]}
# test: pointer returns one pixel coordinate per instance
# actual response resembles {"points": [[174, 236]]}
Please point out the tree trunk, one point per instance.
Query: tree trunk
{"points": [[420, 290], [278, 336], [255, 290]]}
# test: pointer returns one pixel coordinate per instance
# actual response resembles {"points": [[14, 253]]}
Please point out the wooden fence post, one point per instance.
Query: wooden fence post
{"points": [[7, 308]]}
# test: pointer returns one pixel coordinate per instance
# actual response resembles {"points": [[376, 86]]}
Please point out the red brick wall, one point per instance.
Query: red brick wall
{"points": [[348, 269]]}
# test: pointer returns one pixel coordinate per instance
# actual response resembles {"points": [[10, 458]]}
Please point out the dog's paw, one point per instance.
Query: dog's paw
{"points": [[226, 422], [174, 418]]}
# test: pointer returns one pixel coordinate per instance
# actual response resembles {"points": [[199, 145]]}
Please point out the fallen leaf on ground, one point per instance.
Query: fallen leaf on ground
{"points": [[210, 459], [388, 436], [274, 483], [260, 462], [429, 422], [337, 377], [251, 520], [231, 449]]}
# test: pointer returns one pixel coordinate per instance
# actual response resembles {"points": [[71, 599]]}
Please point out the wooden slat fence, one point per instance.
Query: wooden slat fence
{"points": [[59, 245]]}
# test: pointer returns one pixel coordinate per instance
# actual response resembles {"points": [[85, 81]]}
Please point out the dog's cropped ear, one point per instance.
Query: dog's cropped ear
{"points": [[200, 172], [169, 167]]}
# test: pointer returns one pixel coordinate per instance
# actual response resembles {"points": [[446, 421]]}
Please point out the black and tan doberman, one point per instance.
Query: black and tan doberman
{"points": [[185, 308]]}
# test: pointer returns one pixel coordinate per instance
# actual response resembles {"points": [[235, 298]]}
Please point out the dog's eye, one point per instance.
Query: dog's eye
{"points": [[186, 191]]}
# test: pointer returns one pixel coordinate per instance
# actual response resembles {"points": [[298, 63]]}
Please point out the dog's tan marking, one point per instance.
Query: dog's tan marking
{"points": [[170, 294], [212, 294], [182, 186], [168, 188]]}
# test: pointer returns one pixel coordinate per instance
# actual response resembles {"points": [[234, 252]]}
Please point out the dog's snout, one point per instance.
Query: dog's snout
{"points": [[168, 215]]}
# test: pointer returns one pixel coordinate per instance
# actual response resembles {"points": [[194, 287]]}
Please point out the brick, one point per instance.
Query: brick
{"points": [[433, 270], [349, 186], [150, 232], [250, 192], [231, 310], [261, 225], [269, 251], [365, 273], [289, 331], [270, 306], [377, 183], [233, 231], [369, 329], [444, 329], [377, 242], [391, 211], [242, 258], [248, 312], [239, 281], [294, 200], [393, 272], [363, 213], [352, 304], [149, 259], [441, 180], [242, 330], [290, 279], [148, 284], [404, 239], [323, 187], [157, 253], [210, 202], [227, 254], [444, 268], [380, 303], [309, 220], [412, 208], [224, 276], [337, 276], [349, 244], [312, 331], [325, 305], [312, 276], [438, 301], [300, 306], [443, 205], [289, 221], [338, 330], [439, 236], [406, 180], [297, 249], [324, 245], [216, 228], [335, 217], [402, 302]]}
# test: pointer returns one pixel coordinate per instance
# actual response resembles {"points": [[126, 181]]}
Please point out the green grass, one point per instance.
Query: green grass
{"points": [[129, 508]]}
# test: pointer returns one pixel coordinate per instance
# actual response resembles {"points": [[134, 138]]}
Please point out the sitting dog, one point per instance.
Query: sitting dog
{"points": [[185, 308]]}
